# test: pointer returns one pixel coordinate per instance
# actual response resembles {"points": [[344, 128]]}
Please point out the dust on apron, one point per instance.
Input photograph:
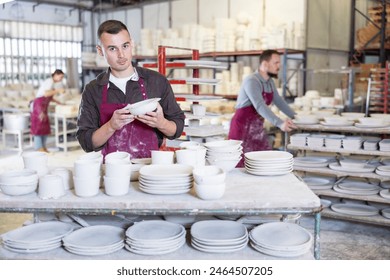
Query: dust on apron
{"points": [[136, 138], [40, 123], [247, 125]]}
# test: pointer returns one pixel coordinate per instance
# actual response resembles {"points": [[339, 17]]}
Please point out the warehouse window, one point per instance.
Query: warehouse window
{"points": [[30, 52]]}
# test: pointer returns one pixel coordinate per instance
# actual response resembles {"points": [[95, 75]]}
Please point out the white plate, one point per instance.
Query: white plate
{"points": [[336, 166], [39, 232], [385, 194], [357, 186], [164, 191], [268, 173], [268, 156], [155, 251], [356, 192], [303, 122], [94, 252], [141, 160], [386, 213], [360, 125], [337, 124], [154, 230], [279, 253], [218, 230], [95, 236], [354, 209], [170, 171], [32, 251], [217, 250], [313, 181]]}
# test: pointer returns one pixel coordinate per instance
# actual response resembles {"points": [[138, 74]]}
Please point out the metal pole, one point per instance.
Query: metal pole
{"points": [[382, 54], [352, 32]]}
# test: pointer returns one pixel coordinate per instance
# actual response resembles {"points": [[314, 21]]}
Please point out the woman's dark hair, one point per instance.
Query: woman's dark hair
{"points": [[58, 72], [267, 54], [112, 27]]}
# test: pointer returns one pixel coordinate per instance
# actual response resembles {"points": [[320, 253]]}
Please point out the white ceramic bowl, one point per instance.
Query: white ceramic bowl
{"points": [[163, 157], [51, 186], [209, 175], [92, 156], [36, 161], [209, 191], [117, 155], [186, 156], [226, 165], [116, 186], [87, 186], [224, 145], [118, 168], [143, 107], [19, 189], [352, 163], [18, 176], [66, 176]]}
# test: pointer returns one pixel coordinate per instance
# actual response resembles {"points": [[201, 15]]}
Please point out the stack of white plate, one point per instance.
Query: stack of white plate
{"points": [[318, 183], [281, 239], [355, 169], [36, 238], [384, 145], [337, 121], [385, 193], [224, 153], [316, 140], [352, 143], [383, 170], [165, 179], [370, 145], [386, 213], [333, 141], [268, 162], [311, 162], [357, 188], [95, 240], [155, 237], [355, 209], [218, 236], [299, 139]]}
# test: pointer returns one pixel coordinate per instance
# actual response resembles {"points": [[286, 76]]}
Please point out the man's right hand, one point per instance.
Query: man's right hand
{"points": [[288, 125], [120, 118]]}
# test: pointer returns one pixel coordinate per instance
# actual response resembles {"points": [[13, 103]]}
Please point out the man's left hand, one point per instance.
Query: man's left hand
{"points": [[154, 119]]}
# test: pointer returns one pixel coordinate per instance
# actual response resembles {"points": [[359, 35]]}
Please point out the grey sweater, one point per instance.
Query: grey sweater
{"points": [[251, 94]]}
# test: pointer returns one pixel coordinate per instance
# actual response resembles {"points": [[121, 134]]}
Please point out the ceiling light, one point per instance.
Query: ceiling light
{"points": [[5, 1]]}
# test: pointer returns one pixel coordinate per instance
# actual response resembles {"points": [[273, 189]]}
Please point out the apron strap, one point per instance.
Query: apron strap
{"points": [[104, 94]]}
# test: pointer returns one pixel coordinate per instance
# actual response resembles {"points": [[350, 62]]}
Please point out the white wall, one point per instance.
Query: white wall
{"points": [[184, 12], [156, 16]]}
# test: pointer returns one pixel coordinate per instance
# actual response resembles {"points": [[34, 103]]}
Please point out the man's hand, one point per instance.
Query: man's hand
{"points": [[288, 125], [120, 118], [154, 119]]}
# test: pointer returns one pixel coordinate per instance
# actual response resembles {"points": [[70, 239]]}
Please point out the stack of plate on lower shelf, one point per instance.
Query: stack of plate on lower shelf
{"points": [[281, 239], [354, 209], [311, 162], [36, 238], [218, 236], [384, 145], [385, 193], [383, 170], [318, 183], [165, 179], [352, 165], [357, 188], [386, 213], [155, 237], [94, 240], [268, 162]]}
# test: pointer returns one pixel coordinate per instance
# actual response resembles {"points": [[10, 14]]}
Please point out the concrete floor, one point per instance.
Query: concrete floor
{"points": [[340, 240]]}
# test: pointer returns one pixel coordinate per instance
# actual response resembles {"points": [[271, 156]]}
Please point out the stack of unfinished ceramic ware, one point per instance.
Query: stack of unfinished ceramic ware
{"points": [[224, 153], [155, 237], [36, 161], [218, 236], [87, 174], [117, 173], [268, 162], [19, 182], [281, 239], [95, 240], [36, 238]]}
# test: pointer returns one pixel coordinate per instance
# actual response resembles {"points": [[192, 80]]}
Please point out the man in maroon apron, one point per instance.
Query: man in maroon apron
{"points": [[257, 92], [40, 123], [103, 124]]}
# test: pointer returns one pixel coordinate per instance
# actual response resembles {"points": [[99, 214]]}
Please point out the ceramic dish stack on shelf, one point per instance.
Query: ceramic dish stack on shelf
{"points": [[337, 121], [334, 141], [352, 165], [155, 237], [19, 182], [218, 236], [94, 240], [299, 139], [383, 170], [352, 143], [370, 122], [315, 140], [384, 145], [311, 162], [318, 182], [281, 239], [357, 188], [165, 179], [224, 153], [355, 209], [36, 238], [268, 163]]}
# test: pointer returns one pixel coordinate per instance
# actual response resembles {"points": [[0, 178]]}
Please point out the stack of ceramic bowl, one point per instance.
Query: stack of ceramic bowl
{"points": [[36, 161], [95, 240], [209, 182], [155, 237], [268, 162], [299, 139], [334, 141], [352, 116], [87, 174], [19, 182], [224, 153], [117, 173], [281, 239], [316, 140], [37, 237], [218, 236], [165, 179], [384, 145], [352, 143], [51, 186]]}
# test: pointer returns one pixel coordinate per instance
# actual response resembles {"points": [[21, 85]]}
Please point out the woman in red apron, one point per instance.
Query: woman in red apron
{"points": [[40, 123]]}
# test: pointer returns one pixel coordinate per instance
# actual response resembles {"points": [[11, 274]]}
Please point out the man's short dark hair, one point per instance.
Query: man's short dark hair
{"points": [[267, 54], [112, 27], [58, 72]]}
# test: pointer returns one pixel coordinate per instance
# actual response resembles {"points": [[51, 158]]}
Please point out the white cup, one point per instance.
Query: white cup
{"points": [[187, 157], [117, 155], [86, 168], [87, 186], [162, 157], [66, 176], [118, 168], [50, 186], [200, 154]]}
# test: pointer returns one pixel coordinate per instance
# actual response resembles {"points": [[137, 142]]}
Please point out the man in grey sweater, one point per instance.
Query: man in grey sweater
{"points": [[257, 92]]}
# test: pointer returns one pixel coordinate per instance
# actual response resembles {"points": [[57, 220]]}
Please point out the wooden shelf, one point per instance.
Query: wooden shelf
{"points": [[375, 220], [371, 198], [352, 129]]}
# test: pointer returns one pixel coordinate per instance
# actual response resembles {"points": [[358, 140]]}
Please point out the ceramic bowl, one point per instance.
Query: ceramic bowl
{"points": [[224, 145], [118, 168], [162, 157], [372, 121], [51, 186], [352, 163], [116, 186], [186, 156], [209, 191], [36, 161], [92, 156], [117, 155], [84, 168], [66, 176], [19, 189], [226, 165], [143, 107], [209, 175], [23, 176], [86, 186]]}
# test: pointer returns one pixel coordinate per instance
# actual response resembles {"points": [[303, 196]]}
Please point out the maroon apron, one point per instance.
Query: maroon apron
{"points": [[247, 125], [136, 138], [40, 123]]}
